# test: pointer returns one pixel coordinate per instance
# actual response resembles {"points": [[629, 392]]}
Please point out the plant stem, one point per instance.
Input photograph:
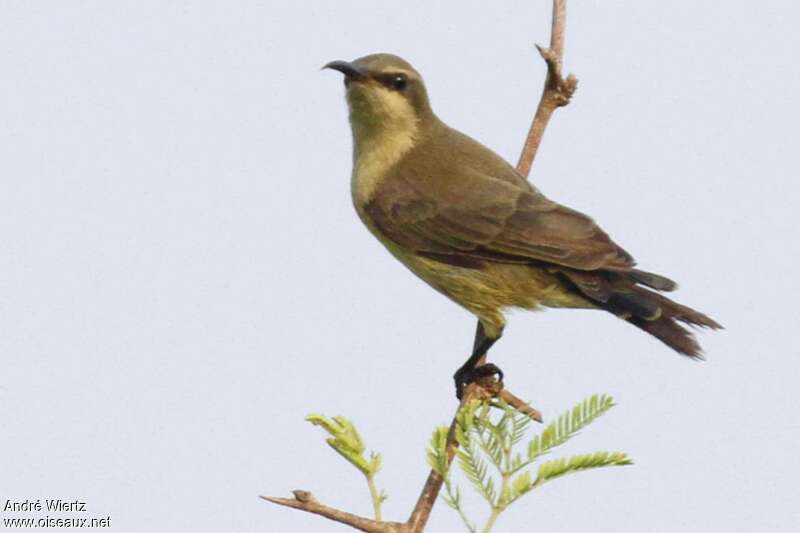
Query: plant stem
{"points": [[376, 497], [492, 519], [505, 473], [448, 486], [501, 505]]}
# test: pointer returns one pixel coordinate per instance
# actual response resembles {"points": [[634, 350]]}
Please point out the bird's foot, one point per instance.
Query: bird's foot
{"points": [[465, 376]]}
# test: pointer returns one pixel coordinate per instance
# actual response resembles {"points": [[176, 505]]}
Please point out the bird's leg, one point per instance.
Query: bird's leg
{"points": [[470, 371]]}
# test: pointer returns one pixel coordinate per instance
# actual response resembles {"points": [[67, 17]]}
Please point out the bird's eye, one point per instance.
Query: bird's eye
{"points": [[398, 82]]}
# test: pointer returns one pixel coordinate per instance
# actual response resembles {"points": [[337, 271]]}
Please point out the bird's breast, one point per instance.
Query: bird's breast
{"points": [[374, 156]]}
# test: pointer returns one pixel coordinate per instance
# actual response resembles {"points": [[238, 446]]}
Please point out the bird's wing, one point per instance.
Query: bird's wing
{"points": [[478, 217]]}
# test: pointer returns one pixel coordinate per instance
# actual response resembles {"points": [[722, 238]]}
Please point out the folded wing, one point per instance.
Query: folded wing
{"points": [[476, 216]]}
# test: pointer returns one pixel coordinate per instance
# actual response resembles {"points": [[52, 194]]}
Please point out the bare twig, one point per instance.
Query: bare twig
{"points": [[520, 405], [305, 501], [557, 90], [557, 93]]}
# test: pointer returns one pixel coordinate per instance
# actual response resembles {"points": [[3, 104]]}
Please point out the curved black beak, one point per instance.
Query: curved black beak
{"points": [[350, 71]]}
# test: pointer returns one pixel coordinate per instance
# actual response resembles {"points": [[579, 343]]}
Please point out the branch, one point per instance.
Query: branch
{"points": [[520, 405], [305, 501], [557, 90], [483, 389]]}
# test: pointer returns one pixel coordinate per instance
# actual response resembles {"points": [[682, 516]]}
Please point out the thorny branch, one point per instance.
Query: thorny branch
{"points": [[305, 501], [557, 93]]}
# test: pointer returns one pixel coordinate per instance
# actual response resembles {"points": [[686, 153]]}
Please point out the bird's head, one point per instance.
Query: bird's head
{"points": [[385, 94]]}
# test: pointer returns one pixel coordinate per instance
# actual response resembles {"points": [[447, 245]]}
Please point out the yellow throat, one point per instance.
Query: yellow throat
{"points": [[385, 127]]}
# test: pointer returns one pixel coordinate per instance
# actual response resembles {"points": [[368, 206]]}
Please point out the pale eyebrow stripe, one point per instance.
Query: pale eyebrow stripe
{"points": [[396, 71]]}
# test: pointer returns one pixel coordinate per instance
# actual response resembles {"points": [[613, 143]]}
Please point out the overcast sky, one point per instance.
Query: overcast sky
{"points": [[183, 277]]}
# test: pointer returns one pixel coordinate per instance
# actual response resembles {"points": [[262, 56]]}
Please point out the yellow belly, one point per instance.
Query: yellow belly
{"points": [[487, 291]]}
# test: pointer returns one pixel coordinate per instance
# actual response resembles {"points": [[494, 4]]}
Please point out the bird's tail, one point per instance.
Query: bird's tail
{"points": [[661, 317]]}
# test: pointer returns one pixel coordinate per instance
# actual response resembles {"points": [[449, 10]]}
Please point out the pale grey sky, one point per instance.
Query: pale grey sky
{"points": [[183, 278]]}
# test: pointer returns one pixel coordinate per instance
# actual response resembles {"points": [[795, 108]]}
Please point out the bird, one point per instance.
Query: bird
{"points": [[471, 226]]}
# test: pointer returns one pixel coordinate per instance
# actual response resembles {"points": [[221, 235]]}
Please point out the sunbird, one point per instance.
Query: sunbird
{"points": [[471, 226]]}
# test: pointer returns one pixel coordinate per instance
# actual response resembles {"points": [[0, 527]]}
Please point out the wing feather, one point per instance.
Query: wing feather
{"points": [[449, 207]]}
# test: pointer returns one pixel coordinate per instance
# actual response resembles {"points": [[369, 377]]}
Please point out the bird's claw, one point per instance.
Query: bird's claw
{"points": [[464, 377]]}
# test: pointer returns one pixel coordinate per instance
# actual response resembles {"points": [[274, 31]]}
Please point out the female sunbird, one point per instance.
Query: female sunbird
{"points": [[467, 223]]}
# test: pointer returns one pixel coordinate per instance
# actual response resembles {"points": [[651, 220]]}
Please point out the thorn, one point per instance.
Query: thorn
{"points": [[548, 55], [303, 496]]}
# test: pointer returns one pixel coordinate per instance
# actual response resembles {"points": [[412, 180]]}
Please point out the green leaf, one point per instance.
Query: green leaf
{"points": [[467, 415], [345, 441], [520, 485], [476, 471], [519, 425], [560, 467], [341, 429], [488, 457], [453, 498], [492, 446], [437, 451], [568, 424], [375, 462], [351, 456]]}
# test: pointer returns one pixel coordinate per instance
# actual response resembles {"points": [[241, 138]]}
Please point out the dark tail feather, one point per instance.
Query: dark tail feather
{"points": [[672, 334], [648, 310], [671, 309], [659, 316], [654, 281]]}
